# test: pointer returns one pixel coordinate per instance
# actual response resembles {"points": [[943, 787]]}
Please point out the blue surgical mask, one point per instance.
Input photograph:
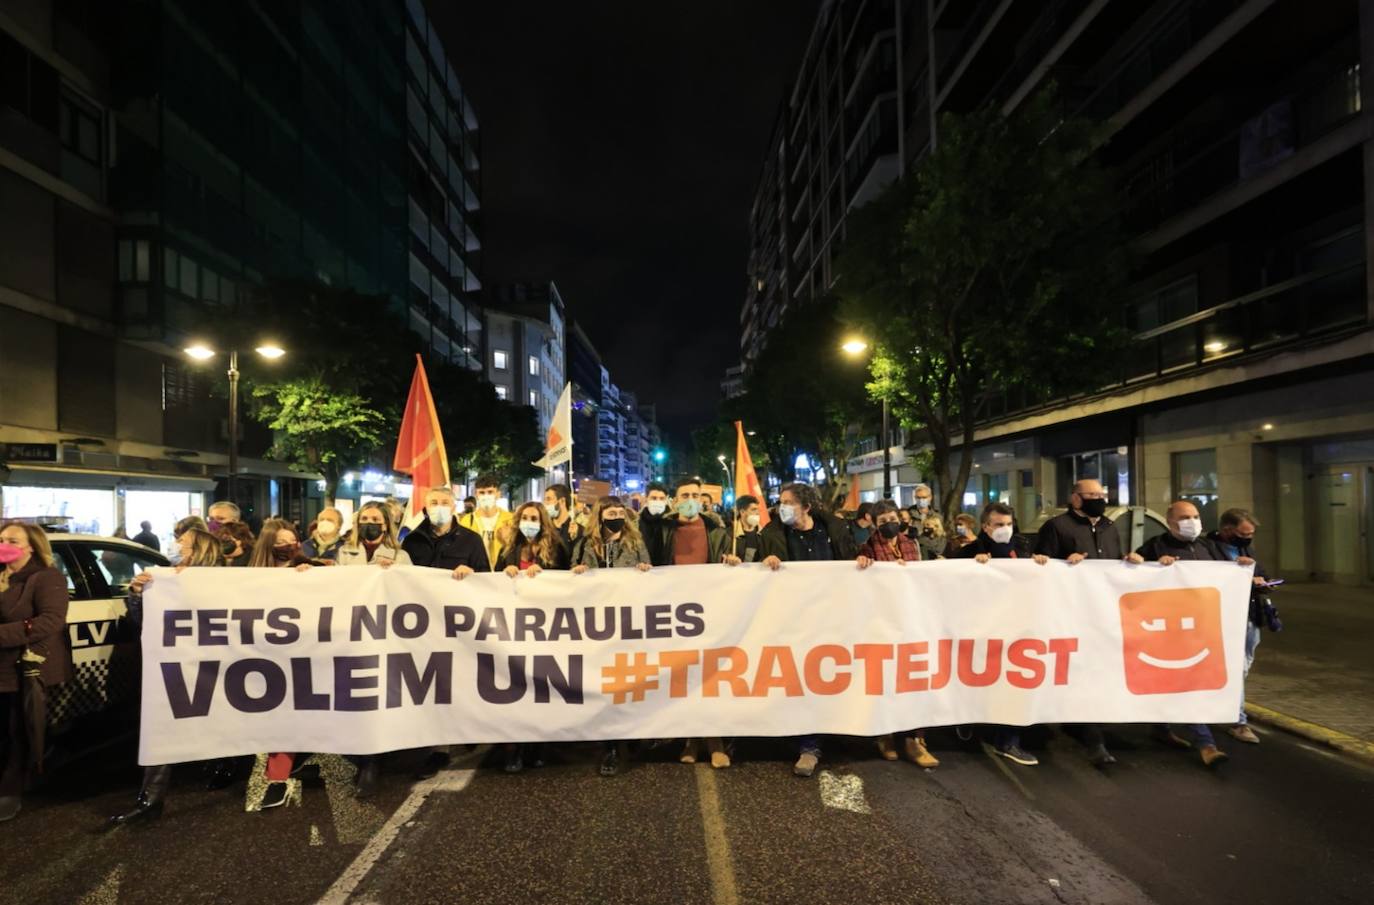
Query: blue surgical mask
{"points": [[529, 529], [689, 509], [788, 513], [551, 509], [657, 507]]}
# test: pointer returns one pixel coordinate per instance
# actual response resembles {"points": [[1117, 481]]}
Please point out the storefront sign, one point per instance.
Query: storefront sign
{"points": [[30, 452]]}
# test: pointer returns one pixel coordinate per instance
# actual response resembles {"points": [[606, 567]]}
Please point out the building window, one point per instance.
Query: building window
{"points": [[534, 399], [501, 391], [534, 366], [171, 265], [1195, 480], [498, 361], [189, 274], [78, 126], [134, 263]]}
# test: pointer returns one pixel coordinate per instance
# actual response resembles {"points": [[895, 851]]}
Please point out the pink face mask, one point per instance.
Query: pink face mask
{"points": [[10, 553]]}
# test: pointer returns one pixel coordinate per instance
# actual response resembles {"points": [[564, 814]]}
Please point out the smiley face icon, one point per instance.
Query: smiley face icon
{"points": [[1172, 641]]}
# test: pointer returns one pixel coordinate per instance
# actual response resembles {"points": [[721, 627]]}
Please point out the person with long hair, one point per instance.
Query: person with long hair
{"points": [[198, 548], [373, 540], [33, 618], [611, 541], [535, 547]]}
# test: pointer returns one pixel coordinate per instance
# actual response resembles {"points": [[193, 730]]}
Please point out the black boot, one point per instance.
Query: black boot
{"points": [[610, 761], [365, 784], [148, 806], [515, 761], [436, 760]]}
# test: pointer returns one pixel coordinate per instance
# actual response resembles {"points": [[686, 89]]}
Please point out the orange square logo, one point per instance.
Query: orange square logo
{"points": [[1172, 641]]}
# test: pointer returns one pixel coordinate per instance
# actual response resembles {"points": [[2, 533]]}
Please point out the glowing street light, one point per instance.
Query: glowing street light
{"points": [[202, 352], [854, 346]]}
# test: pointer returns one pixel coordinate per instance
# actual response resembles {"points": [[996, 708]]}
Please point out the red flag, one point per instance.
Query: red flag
{"points": [[746, 481], [420, 448]]}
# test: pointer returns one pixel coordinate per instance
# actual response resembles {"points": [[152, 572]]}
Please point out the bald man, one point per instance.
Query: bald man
{"points": [[1185, 541]]}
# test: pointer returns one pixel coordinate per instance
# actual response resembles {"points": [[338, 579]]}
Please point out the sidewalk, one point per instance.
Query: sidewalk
{"points": [[1320, 668]]}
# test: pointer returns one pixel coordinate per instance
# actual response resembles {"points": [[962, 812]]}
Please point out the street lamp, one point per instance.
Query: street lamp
{"points": [[202, 352], [729, 481], [854, 347]]}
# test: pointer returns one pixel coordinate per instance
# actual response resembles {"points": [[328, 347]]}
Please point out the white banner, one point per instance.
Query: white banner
{"points": [[361, 661]]}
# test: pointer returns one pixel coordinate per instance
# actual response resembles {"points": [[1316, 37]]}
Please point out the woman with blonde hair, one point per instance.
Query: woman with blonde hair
{"points": [[373, 539], [33, 650]]}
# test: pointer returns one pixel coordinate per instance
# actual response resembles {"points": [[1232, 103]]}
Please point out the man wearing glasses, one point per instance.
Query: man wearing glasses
{"points": [[1085, 532]]}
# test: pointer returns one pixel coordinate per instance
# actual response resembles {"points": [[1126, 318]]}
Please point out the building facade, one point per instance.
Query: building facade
{"points": [[1246, 158], [160, 160]]}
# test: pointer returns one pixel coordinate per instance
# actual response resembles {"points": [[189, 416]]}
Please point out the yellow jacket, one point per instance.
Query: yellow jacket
{"points": [[499, 540]]}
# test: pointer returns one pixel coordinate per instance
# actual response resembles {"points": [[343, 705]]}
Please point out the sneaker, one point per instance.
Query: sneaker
{"points": [[720, 757], [275, 796], [514, 762], [916, 752], [610, 762], [806, 764], [1099, 756], [1212, 756], [433, 763], [1016, 754], [1244, 733], [689, 752], [886, 748], [9, 807]]}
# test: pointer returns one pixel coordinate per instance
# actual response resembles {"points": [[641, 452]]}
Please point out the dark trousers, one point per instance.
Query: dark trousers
{"points": [[14, 755]]}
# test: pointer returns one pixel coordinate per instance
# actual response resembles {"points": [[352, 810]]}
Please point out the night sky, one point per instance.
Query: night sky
{"points": [[621, 144]]}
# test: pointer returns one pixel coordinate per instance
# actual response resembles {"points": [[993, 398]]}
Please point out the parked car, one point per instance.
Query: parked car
{"points": [[1135, 524], [105, 652]]}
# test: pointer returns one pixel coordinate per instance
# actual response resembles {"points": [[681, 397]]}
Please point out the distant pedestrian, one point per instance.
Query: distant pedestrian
{"points": [[147, 538]]}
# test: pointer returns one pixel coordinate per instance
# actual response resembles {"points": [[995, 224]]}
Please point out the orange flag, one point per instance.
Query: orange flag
{"points": [[851, 502], [420, 448], [746, 481]]}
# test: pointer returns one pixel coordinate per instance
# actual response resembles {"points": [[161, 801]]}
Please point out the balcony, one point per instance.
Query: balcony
{"points": [[1194, 168]]}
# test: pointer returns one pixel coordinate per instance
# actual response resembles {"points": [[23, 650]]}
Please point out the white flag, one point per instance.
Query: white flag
{"points": [[558, 444]]}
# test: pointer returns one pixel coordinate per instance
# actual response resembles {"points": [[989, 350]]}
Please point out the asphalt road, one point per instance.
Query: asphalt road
{"points": [[1282, 822]]}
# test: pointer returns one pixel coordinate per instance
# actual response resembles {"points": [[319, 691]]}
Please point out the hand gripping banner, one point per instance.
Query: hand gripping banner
{"points": [[361, 661]]}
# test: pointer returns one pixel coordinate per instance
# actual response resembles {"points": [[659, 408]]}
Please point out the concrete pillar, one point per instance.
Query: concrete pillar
{"points": [[1290, 503]]}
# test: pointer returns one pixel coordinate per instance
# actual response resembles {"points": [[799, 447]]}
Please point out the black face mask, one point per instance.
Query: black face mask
{"points": [[1240, 543], [1093, 508], [890, 530], [370, 532], [613, 525]]}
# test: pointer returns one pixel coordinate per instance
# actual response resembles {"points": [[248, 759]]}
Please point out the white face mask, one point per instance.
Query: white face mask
{"points": [[327, 527], [788, 513], [1189, 528], [1001, 535], [922, 502], [486, 501], [551, 509], [440, 515], [752, 520], [657, 507], [961, 530]]}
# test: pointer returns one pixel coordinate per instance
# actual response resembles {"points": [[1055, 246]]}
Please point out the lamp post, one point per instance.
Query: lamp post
{"points": [[854, 348], [202, 352], [729, 480]]}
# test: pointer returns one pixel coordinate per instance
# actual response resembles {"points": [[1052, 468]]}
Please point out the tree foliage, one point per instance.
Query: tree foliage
{"points": [[317, 428], [996, 264]]}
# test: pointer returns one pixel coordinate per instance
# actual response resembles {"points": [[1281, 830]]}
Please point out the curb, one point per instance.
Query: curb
{"points": [[1331, 738]]}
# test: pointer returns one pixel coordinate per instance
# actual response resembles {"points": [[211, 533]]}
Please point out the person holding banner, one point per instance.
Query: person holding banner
{"points": [[1085, 532], [691, 536], [373, 539], [803, 532], [1185, 541], [611, 541], [888, 543], [536, 548], [441, 542], [325, 538], [746, 529], [998, 540], [199, 549], [494, 525]]}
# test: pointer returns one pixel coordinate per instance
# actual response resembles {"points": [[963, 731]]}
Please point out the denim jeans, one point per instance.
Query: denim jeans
{"points": [[1202, 734], [809, 744], [1006, 737], [1252, 640]]}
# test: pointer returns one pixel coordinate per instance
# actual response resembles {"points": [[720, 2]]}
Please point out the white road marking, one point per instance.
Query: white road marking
{"points": [[845, 793], [719, 864], [107, 893], [354, 874]]}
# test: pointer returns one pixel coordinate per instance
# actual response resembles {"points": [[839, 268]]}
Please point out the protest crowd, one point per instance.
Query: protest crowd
{"points": [[667, 527]]}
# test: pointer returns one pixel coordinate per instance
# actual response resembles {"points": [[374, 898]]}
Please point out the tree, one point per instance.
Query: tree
{"points": [[803, 396], [997, 264], [318, 428]]}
